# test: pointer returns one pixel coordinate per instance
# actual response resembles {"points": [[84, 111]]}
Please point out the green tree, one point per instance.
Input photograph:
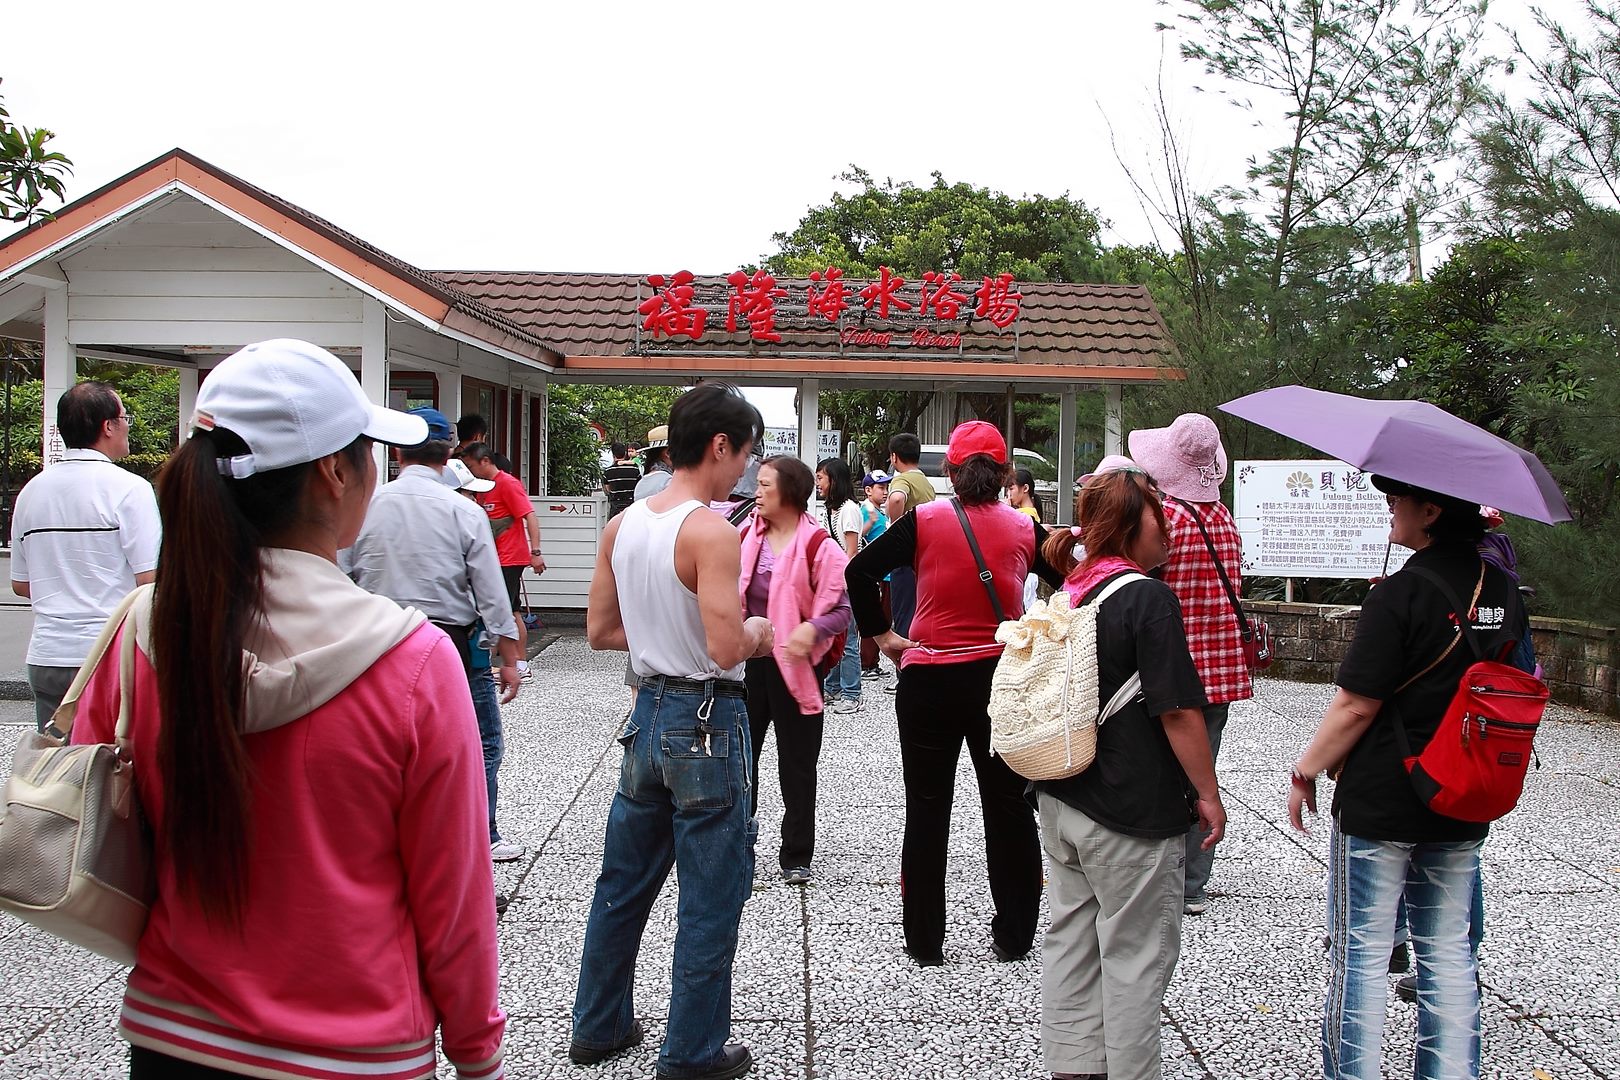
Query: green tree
{"points": [[29, 173], [1373, 93], [944, 226], [627, 412], [1549, 169]]}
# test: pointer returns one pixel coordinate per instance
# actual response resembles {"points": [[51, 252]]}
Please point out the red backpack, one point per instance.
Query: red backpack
{"points": [[1474, 765], [835, 651]]}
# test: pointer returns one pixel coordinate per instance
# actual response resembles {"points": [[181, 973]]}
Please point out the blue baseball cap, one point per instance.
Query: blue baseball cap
{"points": [[438, 427]]}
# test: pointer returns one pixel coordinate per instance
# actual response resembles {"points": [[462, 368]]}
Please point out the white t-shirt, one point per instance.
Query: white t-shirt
{"points": [[847, 520], [82, 530]]}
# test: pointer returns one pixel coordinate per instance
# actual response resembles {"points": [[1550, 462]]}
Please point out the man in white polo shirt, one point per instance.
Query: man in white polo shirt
{"points": [[83, 535]]}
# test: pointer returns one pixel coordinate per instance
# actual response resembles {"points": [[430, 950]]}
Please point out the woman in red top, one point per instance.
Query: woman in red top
{"points": [[944, 688]]}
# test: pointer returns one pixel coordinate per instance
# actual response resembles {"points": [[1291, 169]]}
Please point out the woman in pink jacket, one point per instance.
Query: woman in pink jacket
{"points": [[793, 574], [307, 756]]}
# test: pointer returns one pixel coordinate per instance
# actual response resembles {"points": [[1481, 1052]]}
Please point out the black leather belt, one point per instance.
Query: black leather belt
{"points": [[719, 687]]}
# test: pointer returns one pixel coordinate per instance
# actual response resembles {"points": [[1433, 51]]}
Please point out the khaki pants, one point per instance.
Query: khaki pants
{"points": [[1113, 941]]}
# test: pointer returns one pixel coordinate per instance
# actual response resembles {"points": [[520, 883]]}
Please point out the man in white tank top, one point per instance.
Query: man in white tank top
{"points": [[665, 590]]}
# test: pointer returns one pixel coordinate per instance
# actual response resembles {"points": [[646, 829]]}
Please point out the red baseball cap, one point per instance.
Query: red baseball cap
{"points": [[976, 437]]}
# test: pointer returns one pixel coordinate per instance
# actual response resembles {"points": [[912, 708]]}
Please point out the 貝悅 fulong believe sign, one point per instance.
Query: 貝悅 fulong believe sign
{"points": [[1321, 519]]}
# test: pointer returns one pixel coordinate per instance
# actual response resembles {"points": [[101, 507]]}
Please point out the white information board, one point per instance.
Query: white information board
{"points": [[1320, 519], [785, 440], [570, 530]]}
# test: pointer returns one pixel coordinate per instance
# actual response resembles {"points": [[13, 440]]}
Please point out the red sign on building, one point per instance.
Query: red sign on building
{"points": [[755, 301]]}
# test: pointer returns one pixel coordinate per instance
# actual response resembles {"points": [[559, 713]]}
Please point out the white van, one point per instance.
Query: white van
{"points": [[932, 463]]}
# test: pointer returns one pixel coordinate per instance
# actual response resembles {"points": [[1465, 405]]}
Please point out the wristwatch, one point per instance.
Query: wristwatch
{"points": [[534, 551]]}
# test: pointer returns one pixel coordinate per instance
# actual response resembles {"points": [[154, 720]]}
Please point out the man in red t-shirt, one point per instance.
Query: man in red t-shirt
{"points": [[516, 529]]}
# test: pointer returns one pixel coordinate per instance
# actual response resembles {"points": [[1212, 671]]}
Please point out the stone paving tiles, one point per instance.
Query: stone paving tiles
{"points": [[823, 990]]}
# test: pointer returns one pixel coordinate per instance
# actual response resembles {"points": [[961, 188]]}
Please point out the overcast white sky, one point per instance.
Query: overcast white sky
{"points": [[625, 136]]}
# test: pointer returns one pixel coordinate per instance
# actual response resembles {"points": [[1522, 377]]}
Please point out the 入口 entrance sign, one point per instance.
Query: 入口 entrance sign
{"points": [[1319, 519], [924, 315]]}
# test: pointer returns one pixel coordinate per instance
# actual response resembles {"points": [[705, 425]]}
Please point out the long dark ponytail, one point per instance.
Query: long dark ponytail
{"points": [[208, 594]]}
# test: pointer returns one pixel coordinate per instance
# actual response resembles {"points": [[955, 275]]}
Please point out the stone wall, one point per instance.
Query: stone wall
{"points": [[1579, 661]]}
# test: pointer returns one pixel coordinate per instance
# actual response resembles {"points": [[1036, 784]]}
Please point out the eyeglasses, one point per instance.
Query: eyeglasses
{"points": [[125, 417]]}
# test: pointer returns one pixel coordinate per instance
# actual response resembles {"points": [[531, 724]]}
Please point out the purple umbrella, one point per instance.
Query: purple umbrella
{"points": [[1411, 441]]}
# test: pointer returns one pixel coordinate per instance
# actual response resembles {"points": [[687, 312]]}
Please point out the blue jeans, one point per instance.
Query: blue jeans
{"points": [[488, 711], [680, 802], [1200, 862], [1476, 918], [1367, 879], [845, 680]]}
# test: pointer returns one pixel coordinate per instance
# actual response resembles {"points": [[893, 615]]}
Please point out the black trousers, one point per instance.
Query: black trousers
{"points": [[940, 707], [798, 748], [151, 1065], [461, 638]]}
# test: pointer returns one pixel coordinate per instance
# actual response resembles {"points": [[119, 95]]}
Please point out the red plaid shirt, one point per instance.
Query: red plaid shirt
{"points": [[1213, 633]]}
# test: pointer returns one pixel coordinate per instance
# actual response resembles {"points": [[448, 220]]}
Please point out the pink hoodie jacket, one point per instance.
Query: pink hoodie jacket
{"points": [[370, 920], [792, 599]]}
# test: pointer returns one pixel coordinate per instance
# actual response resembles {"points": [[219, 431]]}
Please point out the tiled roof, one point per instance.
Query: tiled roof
{"points": [[463, 313], [589, 315]]}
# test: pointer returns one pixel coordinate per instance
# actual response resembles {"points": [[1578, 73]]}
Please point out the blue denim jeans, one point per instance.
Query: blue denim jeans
{"points": [[844, 681], [682, 801], [1200, 862], [488, 711], [1367, 879]]}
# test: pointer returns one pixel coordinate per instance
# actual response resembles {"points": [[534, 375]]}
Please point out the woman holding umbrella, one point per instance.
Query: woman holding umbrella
{"points": [[1401, 670]]}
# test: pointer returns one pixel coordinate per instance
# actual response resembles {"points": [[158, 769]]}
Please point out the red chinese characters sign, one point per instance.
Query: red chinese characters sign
{"points": [[754, 301]]}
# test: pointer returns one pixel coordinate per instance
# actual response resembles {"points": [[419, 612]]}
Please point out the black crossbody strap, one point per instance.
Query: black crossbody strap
{"points": [[1461, 611], [1226, 582], [1465, 632], [985, 575]]}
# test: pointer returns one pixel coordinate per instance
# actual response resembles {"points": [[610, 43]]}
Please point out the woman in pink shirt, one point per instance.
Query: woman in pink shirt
{"points": [[793, 574], [307, 756]]}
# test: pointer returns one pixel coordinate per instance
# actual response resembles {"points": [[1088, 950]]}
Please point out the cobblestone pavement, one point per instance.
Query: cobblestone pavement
{"points": [[823, 989]]}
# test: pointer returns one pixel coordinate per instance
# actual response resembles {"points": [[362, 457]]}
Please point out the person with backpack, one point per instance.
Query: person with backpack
{"points": [[970, 554], [792, 574], [1412, 647], [841, 514], [1115, 834]]}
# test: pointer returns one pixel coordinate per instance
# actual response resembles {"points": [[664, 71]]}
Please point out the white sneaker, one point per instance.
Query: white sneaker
{"points": [[845, 706], [523, 670], [506, 851]]}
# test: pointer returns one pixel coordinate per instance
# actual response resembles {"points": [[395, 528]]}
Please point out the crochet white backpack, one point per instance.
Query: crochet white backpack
{"points": [[1044, 707]]}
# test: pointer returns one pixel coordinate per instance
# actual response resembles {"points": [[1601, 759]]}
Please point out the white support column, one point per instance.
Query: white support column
{"points": [[809, 420], [544, 466], [188, 401], [61, 370], [1113, 421], [450, 391], [374, 362], [1067, 413]]}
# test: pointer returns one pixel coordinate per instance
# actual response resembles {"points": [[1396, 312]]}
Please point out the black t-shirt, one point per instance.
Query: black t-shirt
{"points": [[1405, 624], [1136, 785], [619, 482]]}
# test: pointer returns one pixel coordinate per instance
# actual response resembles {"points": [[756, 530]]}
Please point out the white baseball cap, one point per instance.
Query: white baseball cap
{"points": [[293, 402], [457, 475]]}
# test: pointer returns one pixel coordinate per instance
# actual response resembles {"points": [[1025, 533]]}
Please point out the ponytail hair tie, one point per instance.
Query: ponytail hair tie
{"points": [[1074, 531]]}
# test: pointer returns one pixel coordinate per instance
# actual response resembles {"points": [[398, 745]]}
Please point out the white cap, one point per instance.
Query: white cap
{"points": [[293, 402], [458, 476]]}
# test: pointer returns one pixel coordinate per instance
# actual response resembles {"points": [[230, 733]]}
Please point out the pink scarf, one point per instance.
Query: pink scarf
{"points": [[1088, 575]]}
